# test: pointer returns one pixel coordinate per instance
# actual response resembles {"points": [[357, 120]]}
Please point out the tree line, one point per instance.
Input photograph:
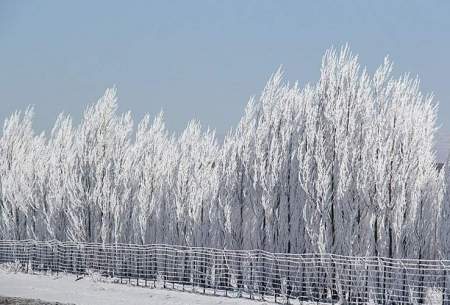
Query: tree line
{"points": [[345, 165]]}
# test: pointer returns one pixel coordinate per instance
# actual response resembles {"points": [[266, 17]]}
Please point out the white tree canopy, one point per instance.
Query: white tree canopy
{"points": [[345, 165]]}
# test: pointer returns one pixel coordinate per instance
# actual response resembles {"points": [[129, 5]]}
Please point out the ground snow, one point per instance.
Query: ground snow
{"points": [[65, 289], [93, 291]]}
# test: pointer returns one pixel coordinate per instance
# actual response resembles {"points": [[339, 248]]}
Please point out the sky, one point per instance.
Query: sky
{"points": [[204, 59]]}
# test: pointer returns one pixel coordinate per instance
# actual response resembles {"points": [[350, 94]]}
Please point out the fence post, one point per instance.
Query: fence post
{"points": [[174, 270], [203, 269], [445, 296], [155, 266], [146, 265], [129, 266], [165, 266], [28, 256], [288, 277], [58, 264], [250, 282], [225, 273], [184, 278], [215, 271]]}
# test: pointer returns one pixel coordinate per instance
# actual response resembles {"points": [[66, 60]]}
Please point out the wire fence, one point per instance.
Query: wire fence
{"points": [[254, 274]]}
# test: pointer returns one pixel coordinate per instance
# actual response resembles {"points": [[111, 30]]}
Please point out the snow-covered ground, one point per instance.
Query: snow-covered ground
{"points": [[87, 291]]}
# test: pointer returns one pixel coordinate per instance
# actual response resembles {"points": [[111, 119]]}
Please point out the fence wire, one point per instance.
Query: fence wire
{"points": [[255, 274]]}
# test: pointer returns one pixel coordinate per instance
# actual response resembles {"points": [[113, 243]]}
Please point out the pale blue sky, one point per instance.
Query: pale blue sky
{"points": [[204, 59]]}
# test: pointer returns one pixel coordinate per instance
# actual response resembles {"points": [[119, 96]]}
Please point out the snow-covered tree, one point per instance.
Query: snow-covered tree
{"points": [[344, 165]]}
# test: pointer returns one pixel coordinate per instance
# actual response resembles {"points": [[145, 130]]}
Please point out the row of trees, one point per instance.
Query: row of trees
{"points": [[343, 166]]}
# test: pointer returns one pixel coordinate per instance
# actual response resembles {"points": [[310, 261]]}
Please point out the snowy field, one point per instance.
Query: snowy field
{"points": [[87, 291]]}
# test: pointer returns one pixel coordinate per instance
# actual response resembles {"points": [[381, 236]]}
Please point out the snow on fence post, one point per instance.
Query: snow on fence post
{"points": [[14, 251], [210, 280], [251, 277], [103, 264], [203, 272], [152, 276], [153, 265], [404, 296], [289, 283], [121, 263], [226, 274], [185, 267], [214, 272], [111, 260], [26, 257], [445, 289], [42, 257], [196, 268], [55, 257], [58, 264], [128, 264], [192, 268], [133, 264], [332, 280], [78, 260], [37, 256], [71, 266], [145, 265], [239, 274], [264, 261], [421, 290], [19, 255], [48, 256], [175, 271], [51, 248], [165, 267], [378, 291]]}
